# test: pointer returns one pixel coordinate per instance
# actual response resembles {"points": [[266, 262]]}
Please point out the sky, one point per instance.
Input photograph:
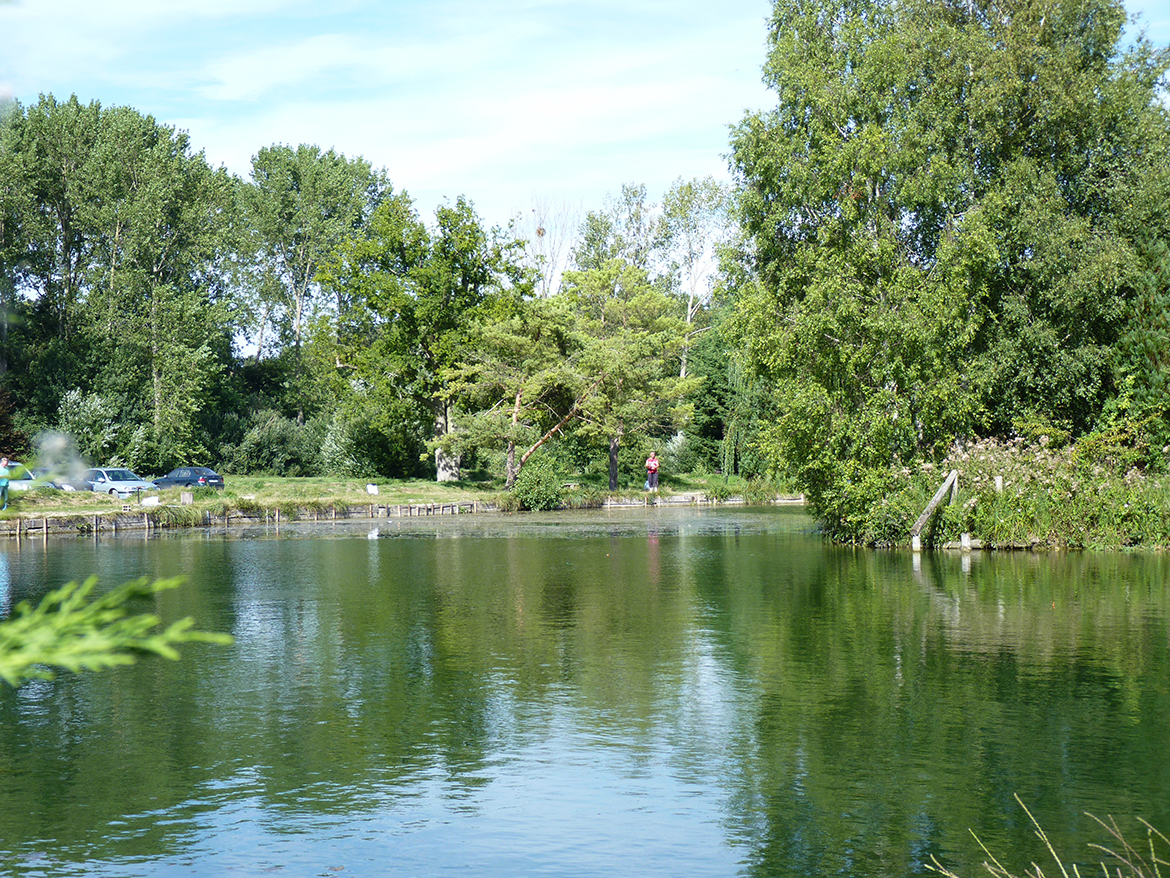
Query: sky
{"points": [[510, 103]]}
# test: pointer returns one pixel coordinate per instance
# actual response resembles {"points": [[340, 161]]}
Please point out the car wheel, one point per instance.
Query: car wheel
{"points": [[113, 491]]}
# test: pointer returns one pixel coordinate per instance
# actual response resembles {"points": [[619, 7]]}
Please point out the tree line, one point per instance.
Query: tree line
{"points": [[158, 311], [952, 224]]}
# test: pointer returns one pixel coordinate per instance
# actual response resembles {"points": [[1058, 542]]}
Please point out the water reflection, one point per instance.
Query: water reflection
{"points": [[669, 692]]}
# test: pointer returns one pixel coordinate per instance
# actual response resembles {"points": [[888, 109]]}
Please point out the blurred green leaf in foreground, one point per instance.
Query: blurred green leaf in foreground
{"points": [[68, 630]]}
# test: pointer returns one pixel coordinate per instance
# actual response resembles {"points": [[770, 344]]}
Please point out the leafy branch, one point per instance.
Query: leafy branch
{"points": [[67, 630]]}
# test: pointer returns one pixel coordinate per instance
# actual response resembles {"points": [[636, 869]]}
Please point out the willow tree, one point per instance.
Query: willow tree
{"points": [[945, 209]]}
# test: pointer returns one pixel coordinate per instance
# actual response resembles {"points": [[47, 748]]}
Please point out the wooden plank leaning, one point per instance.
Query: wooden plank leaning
{"points": [[950, 484]]}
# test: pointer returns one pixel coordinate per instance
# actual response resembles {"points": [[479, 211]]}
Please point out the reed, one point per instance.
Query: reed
{"points": [[1119, 856]]}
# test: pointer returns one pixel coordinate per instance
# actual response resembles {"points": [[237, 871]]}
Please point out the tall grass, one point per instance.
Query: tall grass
{"points": [[1120, 857]]}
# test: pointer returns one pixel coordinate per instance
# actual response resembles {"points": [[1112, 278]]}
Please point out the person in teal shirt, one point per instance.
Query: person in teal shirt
{"points": [[4, 481]]}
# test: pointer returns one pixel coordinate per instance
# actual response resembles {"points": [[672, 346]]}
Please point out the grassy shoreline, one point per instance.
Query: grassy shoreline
{"points": [[1021, 495], [252, 496]]}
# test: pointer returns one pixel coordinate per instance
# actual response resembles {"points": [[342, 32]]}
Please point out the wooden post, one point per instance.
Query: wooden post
{"points": [[950, 484]]}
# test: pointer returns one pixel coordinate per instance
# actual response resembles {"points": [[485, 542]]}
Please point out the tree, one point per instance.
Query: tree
{"points": [[695, 225], [548, 229], [521, 380], [116, 263], [46, 157], [942, 210], [153, 314], [54, 145], [628, 228], [14, 210], [631, 338], [416, 293], [302, 206]]}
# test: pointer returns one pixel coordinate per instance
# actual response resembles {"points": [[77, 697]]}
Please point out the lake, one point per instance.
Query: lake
{"points": [[649, 692]]}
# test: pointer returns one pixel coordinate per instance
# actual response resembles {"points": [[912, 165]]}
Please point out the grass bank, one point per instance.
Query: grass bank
{"points": [[249, 495]]}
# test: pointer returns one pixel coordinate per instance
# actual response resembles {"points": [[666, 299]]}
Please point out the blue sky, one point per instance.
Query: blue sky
{"points": [[508, 102]]}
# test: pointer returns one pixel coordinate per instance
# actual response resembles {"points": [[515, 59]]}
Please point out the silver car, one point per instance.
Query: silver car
{"points": [[21, 478], [117, 481]]}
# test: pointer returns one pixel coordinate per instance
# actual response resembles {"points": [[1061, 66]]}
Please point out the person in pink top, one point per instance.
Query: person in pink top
{"points": [[652, 472]]}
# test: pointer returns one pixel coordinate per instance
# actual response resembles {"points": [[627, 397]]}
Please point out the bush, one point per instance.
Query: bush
{"points": [[758, 492], [538, 487], [279, 446]]}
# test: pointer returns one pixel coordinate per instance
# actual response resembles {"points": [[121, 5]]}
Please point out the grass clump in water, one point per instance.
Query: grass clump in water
{"points": [[1124, 858]]}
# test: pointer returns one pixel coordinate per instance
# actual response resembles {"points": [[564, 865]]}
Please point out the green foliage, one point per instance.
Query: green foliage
{"points": [[415, 296], [758, 492], [122, 235], [630, 337], [520, 385], [538, 487], [69, 631], [276, 445], [93, 425], [950, 211], [1085, 495], [178, 516]]}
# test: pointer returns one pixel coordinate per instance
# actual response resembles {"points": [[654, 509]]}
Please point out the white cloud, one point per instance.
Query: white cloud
{"points": [[496, 100]]}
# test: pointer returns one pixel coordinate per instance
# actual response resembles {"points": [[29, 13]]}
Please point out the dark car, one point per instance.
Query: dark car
{"points": [[191, 477], [65, 481]]}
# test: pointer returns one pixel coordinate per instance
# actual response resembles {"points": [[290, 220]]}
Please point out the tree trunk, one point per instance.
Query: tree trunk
{"points": [[446, 465], [615, 442], [510, 469]]}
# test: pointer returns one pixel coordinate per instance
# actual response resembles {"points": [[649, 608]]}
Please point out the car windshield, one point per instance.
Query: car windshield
{"points": [[122, 475], [18, 471]]}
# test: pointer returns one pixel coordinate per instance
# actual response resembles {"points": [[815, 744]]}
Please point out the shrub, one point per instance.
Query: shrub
{"points": [[758, 492], [279, 446], [538, 487]]}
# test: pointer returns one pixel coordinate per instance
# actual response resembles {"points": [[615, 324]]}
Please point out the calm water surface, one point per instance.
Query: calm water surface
{"points": [[647, 693]]}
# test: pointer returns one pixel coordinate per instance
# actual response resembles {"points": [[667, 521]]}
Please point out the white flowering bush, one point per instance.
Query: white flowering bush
{"points": [[1017, 493]]}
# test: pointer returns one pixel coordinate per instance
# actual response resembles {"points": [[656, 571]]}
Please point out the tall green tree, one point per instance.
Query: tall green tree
{"points": [[14, 211], [631, 339], [416, 292], [47, 155], [155, 312], [54, 143], [302, 206], [520, 381], [943, 208]]}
